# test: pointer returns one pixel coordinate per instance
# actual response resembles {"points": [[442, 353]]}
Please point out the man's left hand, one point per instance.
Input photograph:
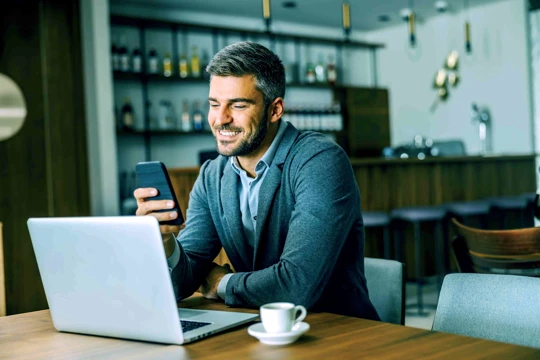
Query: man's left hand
{"points": [[210, 285]]}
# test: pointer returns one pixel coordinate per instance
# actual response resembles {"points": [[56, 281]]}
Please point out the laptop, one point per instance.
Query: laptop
{"points": [[108, 276]]}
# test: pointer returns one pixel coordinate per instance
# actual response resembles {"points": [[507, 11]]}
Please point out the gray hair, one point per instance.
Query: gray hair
{"points": [[249, 58]]}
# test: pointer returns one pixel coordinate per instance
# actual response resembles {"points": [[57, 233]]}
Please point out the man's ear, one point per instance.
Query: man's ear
{"points": [[276, 110]]}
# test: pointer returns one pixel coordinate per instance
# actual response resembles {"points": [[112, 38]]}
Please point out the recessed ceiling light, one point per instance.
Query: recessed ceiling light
{"points": [[383, 18], [289, 4]]}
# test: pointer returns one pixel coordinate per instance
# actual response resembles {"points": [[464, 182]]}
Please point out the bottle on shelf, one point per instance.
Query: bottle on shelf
{"points": [[205, 60], [153, 62], [331, 71], [167, 65], [115, 56], [166, 118], [153, 123], [197, 116], [310, 73], [195, 63], [127, 115], [320, 71], [183, 66], [124, 56], [185, 117], [136, 61]]}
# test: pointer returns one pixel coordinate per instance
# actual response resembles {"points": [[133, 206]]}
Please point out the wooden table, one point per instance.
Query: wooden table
{"points": [[32, 336]]}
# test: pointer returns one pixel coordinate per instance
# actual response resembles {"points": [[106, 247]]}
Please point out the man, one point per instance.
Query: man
{"points": [[283, 204]]}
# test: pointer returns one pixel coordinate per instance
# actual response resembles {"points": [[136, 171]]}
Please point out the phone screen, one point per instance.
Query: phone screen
{"points": [[153, 174]]}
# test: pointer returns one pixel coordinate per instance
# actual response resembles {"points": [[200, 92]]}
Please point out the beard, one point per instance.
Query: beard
{"points": [[247, 144]]}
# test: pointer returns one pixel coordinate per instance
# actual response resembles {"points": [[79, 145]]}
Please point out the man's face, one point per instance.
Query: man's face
{"points": [[237, 115]]}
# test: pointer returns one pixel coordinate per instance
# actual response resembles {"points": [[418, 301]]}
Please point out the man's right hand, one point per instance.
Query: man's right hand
{"points": [[148, 207]]}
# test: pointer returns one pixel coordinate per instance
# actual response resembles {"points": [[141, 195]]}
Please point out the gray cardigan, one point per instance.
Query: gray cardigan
{"points": [[309, 241]]}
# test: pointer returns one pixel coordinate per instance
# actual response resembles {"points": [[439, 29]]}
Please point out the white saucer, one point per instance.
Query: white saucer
{"points": [[257, 330]]}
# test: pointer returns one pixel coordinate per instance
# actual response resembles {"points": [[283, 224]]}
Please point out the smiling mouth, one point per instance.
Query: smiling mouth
{"points": [[228, 133]]}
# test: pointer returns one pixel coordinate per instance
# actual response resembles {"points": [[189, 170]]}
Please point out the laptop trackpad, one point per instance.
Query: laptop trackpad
{"points": [[187, 313]]}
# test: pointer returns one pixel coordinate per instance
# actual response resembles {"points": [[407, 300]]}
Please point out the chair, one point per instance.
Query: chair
{"points": [[416, 216], [379, 219], [494, 307], [386, 286], [2, 277], [497, 251]]}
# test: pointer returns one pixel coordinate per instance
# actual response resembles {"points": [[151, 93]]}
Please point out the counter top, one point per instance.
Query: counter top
{"points": [[441, 159]]}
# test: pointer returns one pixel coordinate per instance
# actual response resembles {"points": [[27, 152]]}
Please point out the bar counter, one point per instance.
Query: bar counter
{"points": [[387, 184]]}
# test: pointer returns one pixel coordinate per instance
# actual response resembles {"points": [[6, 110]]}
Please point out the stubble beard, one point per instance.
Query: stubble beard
{"points": [[246, 145]]}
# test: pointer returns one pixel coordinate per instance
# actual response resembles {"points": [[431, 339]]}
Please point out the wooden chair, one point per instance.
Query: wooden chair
{"points": [[2, 277], [514, 252]]}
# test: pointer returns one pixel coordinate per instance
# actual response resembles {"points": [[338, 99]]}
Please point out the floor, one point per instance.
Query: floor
{"points": [[430, 295]]}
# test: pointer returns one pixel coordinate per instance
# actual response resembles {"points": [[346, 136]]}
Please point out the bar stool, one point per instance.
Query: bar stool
{"points": [[531, 204], [501, 207], [416, 216], [465, 211], [379, 219]]}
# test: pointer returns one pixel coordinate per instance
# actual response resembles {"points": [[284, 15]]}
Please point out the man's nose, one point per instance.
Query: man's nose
{"points": [[223, 116]]}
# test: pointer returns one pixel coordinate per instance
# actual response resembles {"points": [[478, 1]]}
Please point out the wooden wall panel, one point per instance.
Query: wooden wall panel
{"points": [[390, 184], [44, 167]]}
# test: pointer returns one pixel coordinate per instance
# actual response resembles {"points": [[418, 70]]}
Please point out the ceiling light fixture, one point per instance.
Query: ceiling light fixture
{"points": [[468, 44], [266, 14], [411, 21], [346, 12]]}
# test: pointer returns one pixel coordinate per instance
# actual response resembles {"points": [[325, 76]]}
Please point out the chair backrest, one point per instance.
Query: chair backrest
{"points": [[502, 308], [503, 251], [2, 277], [386, 286]]}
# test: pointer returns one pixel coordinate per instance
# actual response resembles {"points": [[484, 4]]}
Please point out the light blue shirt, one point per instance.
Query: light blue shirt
{"points": [[248, 193]]}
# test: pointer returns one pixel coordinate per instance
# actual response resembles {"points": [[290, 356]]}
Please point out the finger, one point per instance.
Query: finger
{"points": [[142, 193], [170, 229], [146, 207]]}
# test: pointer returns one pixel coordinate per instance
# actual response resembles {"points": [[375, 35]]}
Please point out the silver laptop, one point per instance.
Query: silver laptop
{"points": [[108, 276]]}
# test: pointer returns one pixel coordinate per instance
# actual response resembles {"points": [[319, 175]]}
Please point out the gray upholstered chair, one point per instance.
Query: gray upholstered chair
{"points": [[502, 308], [386, 286]]}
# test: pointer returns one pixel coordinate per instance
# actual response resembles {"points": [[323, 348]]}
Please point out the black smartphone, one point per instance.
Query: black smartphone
{"points": [[153, 174]]}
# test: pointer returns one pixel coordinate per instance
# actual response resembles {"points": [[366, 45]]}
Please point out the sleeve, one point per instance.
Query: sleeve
{"points": [[327, 202], [198, 242]]}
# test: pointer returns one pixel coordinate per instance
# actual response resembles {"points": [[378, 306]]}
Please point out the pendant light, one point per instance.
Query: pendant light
{"points": [[412, 25], [266, 14], [346, 15], [468, 45]]}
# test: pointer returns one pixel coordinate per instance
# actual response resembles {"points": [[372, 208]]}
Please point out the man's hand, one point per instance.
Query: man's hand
{"points": [[147, 207], [210, 285]]}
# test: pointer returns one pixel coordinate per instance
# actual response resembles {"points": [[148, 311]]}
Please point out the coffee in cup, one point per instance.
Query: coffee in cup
{"points": [[281, 317]]}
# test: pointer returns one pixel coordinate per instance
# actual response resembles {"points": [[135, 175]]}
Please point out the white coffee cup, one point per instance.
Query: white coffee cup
{"points": [[281, 317]]}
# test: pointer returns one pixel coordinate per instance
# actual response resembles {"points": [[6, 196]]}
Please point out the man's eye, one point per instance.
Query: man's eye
{"points": [[239, 107], [214, 105]]}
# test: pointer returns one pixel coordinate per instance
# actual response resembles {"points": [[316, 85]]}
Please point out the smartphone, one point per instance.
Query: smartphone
{"points": [[153, 174]]}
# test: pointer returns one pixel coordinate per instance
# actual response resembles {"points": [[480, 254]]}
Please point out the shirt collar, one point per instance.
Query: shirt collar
{"points": [[268, 156]]}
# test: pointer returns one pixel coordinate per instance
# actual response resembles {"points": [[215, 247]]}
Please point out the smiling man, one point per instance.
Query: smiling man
{"points": [[283, 203]]}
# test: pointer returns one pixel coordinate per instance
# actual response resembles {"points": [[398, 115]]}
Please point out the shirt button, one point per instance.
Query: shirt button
{"points": [[249, 183], [255, 218]]}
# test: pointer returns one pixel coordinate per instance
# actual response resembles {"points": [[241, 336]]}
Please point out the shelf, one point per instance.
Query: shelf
{"points": [[178, 26], [161, 132], [129, 76]]}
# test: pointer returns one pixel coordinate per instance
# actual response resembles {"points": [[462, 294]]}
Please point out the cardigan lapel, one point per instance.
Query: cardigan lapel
{"points": [[271, 183], [231, 212]]}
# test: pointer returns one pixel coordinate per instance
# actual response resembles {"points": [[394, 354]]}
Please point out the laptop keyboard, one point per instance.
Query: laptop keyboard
{"points": [[192, 325]]}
